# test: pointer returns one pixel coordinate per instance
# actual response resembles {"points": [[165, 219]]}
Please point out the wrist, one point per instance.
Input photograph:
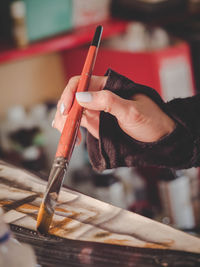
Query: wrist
{"points": [[170, 126]]}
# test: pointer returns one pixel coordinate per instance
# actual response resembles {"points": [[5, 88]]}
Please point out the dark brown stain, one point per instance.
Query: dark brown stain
{"points": [[59, 231], [33, 215], [159, 245], [15, 204], [71, 214], [167, 243], [117, 241], [28, 206], [15, 184], [154, 245], [135, 235], [101, 235], [7, 204], [60, 224], [76, 204], [61, 209], [91, 219]]}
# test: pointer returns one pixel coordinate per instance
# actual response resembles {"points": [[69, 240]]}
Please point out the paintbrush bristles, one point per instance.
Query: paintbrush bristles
{"points": [[46, 211], [43, 220]]}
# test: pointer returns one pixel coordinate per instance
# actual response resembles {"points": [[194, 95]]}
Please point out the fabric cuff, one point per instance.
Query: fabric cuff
{"points": [[115, 148]]}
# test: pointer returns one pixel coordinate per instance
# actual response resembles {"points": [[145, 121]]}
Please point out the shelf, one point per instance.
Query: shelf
{"points": [[65, 41]]}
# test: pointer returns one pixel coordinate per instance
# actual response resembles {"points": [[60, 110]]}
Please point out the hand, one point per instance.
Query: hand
{"points": [[90, 118], [140, 118]]}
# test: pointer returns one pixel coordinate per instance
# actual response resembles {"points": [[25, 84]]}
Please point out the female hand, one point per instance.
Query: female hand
{"points": [[90, 118], [140, 118]]}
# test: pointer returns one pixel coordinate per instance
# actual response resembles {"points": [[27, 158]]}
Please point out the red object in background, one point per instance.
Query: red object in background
{"points": [[69, 40], [168, 70]]}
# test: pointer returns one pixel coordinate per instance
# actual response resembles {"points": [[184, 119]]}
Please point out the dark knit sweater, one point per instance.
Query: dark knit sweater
{"points": [[179, 150]]}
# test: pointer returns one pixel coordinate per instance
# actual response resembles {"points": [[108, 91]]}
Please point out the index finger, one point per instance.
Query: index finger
{"points": [[96, 83], [68, 94]]}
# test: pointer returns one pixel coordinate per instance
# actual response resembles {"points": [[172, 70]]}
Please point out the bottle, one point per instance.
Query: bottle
{"points": [[12, 252], [109, 188], [18, 15], [175, 193]]}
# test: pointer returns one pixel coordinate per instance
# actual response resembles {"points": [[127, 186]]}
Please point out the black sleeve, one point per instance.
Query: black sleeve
{"points": [[179, 150]]}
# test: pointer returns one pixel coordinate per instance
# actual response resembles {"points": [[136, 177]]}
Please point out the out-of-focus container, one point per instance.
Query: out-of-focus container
{"points": [[18, 14], [189, 30], [47, 17], [22, 138], [26, 21], [180, 197], [42, 18], [13, 253], [89, 12], [149, 10], [167, 70]]}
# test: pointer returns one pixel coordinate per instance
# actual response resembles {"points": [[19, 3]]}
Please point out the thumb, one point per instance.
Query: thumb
{"points": [[104, 101]]}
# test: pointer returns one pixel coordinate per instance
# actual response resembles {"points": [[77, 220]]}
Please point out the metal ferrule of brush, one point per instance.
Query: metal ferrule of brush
{"points": [[55, 182]]}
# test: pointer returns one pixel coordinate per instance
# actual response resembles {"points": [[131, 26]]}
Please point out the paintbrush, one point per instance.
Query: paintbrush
{"points": [[67, 142]]}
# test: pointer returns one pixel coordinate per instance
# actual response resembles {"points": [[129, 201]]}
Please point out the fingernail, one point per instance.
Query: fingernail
{"points": [[77, 141], [84, 97], [52, 124], [62, 108]]}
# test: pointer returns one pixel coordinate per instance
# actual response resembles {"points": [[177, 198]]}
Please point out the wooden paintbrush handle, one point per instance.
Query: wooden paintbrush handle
{"points": [[70, 130]]}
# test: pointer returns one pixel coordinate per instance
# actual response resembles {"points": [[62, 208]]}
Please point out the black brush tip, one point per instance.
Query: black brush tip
{"points": [[97, 36]]}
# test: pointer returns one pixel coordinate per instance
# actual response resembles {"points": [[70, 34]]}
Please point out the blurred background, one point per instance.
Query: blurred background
{"points": [[44, 43]]}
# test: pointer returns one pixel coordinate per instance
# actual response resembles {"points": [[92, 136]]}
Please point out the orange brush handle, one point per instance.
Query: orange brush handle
{"points": [[71, 127]]}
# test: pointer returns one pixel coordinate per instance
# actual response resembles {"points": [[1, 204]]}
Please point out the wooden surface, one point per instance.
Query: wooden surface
{"points": [[82, 218], [54, 251]]}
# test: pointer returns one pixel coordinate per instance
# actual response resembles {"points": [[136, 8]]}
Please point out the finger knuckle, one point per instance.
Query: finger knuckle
{"points": [[59, 103], [74, 79], [71, 86], [109, 100], [135, 113]]}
